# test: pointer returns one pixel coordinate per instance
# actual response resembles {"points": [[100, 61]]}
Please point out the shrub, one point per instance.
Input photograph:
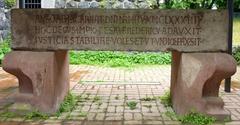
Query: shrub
{"points": [[236, 54], [10, 3], [4, 48]]}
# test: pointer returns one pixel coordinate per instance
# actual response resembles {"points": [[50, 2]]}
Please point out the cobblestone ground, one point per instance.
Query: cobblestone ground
{"points": [[114, 88]]}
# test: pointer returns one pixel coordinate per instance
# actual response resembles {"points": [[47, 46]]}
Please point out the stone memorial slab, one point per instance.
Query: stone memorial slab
{"points": [[122, 30]]}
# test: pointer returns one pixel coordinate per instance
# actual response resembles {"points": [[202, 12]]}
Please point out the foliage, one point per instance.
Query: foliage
{"points": [[132, 105], [68, 104], [198, 4], [192, 118], [7, 114], [36, 115], [117, 97], [197, 119], [83, 114], [4, 48], [105, 3], [147, 98], [237, 5], [166, 99], [179, 4], [171, 114], [236, 54], [10, 3], [96, 98], [221, 4], [118, 59], [148, 106]]}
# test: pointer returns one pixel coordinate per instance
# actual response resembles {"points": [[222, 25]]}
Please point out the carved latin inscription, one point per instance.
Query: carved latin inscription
{"points": [[138, 30]]}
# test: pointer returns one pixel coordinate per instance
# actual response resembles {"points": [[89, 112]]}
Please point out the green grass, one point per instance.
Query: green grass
{"points": [[68, 104], [83, 114], [36, 115], [119, 59], [236, 31], [147, 98], [194, 118], [132, 105], [166, 99], [96, 98], [7, 114]]}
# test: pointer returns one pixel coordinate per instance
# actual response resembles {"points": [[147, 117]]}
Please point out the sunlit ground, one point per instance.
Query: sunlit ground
{"points": [[236, 31]]}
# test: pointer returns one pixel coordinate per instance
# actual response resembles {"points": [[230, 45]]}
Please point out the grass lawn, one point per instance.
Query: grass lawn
{"points": [[236, 31]]}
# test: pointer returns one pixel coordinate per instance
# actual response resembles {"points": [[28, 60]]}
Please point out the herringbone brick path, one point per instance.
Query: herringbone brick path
{"points": [[114, 89]]}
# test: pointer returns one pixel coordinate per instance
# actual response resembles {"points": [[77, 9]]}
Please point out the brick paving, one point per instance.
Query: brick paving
{"points": [[115, 87]]}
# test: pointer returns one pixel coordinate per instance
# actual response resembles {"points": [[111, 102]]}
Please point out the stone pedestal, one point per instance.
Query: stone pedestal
{"points": [[43, 77], [195, 82]]}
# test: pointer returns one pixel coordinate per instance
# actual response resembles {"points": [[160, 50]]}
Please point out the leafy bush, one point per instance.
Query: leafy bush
{"points": [[10, 3], [236, 54], [4, 48], [117, 59]]}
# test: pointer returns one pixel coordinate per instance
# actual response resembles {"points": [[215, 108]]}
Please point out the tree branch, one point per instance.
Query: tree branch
{"points": [[203, 3]]}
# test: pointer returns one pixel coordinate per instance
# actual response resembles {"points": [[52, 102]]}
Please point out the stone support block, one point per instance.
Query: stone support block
{"points": [[195, 82], [43, 77]]}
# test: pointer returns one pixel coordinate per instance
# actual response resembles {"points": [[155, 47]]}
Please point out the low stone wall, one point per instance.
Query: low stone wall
{"points": [[127, 4], [4, 21]]}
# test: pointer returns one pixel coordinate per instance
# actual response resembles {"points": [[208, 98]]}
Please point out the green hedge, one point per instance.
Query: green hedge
{"points": [[10, 3], [4, 48]]}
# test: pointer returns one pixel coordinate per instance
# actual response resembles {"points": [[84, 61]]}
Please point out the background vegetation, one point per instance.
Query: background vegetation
{"points": [[4, 48], [170, 4], [184, 4], [236, 54], [119, 59], [198, 4], [10, 3]]}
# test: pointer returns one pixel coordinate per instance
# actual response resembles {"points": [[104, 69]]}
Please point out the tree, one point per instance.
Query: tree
{"points": [[199, 4]]}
